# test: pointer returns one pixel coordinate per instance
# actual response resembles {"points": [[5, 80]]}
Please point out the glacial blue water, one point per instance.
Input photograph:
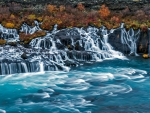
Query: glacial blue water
{"points": [[111, 86]]}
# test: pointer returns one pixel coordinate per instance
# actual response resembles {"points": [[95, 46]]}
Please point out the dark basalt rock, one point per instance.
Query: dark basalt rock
{"points": [[24, 56], [12, 43], [94, 4], [142, 43], [115, 40]]}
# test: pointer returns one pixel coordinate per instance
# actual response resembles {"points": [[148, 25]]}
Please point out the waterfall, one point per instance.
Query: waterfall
{"points": [[10, 35], [99, 46], [58, 50], [130, 38], [29, 29], [41, 67]]}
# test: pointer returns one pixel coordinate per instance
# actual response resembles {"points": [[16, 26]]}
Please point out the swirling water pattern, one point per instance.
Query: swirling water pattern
{"points": [[111, 86]]}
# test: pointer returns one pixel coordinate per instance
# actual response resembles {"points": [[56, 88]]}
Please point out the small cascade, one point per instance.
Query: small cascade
{"points": [[94, 47], [41, 67], [9, 34], [130, 38], [29, 29], [42, 42], [98, 46]]}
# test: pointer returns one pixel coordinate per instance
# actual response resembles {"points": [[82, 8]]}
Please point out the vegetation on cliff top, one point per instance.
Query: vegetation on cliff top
{"points": [[13, 16], [67, 17]]}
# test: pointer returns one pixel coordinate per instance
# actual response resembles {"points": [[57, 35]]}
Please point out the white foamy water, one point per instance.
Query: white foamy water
{"points": [[80, 90], [2, 111]]}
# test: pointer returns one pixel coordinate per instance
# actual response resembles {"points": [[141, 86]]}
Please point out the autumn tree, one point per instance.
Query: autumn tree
{"points": [[104, 12], [51, 8]]}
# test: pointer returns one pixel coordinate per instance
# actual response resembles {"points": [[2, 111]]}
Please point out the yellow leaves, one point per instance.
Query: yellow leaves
{"points": [[104, 11], [2, 42], [131, 24], [67, 16], [144, 27], [62, 8], [145, 56], [51, 8], [57, 21], [40, 19], [9, 25], [135, 25], [12, 16], [108, 25], [31, 17], [148, 23]]}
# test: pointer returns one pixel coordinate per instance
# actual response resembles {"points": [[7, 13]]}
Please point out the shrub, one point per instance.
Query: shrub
{"points": [[62, 8], [31, 17], [51, 8], [9, 25], [2, 42], [104, 12], [12, 16], [115, 19], [26, 38], [144, 27]]}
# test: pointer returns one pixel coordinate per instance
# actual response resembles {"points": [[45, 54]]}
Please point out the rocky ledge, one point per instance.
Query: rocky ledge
{"points": [[94, 4]]}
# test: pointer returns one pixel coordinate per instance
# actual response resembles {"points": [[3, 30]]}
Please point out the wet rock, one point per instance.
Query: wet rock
{"points": [[12, 43], [115, 41], [70, 63], [60, 46], [142, 44], [24, 56]]}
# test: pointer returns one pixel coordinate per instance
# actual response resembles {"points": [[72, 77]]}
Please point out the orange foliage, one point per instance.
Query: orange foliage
{"points": [[51, 8], [28, 37], [31, 17], [115, 19], [12, 16], [40, 19], [67, 17], [9, 25], [104, 11], [80, 7], [61, 8], [2, 42]]}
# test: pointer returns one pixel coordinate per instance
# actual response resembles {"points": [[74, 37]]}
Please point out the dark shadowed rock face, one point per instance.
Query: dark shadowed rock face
{"points": [[115, 41], [142, 43]]}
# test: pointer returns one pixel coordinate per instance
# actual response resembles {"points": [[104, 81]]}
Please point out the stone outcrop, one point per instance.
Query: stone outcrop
{"points": [[94, 4]]}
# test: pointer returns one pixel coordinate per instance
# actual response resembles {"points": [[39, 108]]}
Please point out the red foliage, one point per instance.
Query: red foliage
{"points": [[104, 12]]}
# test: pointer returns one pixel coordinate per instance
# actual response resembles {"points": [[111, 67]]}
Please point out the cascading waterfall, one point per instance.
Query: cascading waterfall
{"points": [[9, 34], [99, 46], [55, 51], [130, 38], [29, 29], [88, 39]]}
